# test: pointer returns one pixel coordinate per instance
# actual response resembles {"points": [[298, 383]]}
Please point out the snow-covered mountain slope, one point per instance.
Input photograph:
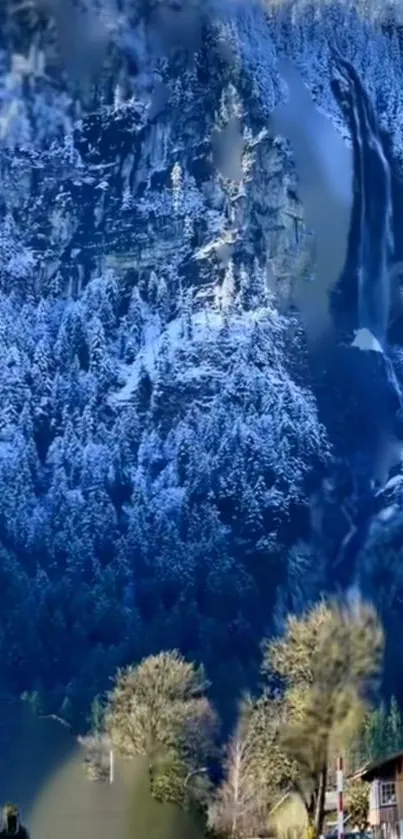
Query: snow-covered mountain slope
{"points": [[160, 443], [183, 336]]}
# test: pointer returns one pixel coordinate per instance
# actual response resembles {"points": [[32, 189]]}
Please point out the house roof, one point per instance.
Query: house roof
{"points": [[369, 770]]}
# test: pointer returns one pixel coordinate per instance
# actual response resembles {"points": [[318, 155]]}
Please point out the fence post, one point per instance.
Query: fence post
{"points": [[340, 799], [111, 766]]}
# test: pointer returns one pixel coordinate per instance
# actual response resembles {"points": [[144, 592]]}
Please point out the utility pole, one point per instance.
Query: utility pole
{"points": [[111, 766], [340, 799]]}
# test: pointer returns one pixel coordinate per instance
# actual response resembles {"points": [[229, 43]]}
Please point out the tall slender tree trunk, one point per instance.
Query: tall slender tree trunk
{"points": [[311, 811], [320, 802]]}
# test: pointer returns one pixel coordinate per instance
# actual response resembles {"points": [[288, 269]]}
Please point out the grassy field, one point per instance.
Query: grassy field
{"points": [[42, 771], [72, 805]]}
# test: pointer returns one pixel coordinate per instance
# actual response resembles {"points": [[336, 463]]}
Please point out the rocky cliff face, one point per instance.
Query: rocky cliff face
{"points": [[136, 185]]}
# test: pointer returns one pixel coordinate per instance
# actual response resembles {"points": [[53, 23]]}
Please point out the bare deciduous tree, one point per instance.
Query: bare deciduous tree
{"points": [[238, 803], [255, 770]]}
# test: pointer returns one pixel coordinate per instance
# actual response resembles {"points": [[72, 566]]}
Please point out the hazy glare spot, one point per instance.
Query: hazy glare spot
{"points": [[390, 454], [178, 24], [353, 597], [83, 33], [325, 175], [224, 253], [159, 100], [227, 150]]}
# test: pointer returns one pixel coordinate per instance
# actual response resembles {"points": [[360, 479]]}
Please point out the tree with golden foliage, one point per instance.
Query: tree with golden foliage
{"points": [[329, 663], [357, 801], [159, 710]]}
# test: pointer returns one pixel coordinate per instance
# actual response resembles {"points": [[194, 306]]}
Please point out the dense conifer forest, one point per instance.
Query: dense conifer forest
{"points": [[163, 446]]}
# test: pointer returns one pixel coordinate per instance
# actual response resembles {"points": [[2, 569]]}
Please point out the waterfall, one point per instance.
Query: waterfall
{"points": [[357, 278], [370, 246], [371, 243], [373, 197]]}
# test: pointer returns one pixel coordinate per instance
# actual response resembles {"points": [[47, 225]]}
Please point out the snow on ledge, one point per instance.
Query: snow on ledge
{"points": [[205, 324], [365, 340]]}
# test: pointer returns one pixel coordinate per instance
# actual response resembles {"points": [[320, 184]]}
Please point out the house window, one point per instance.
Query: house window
{"points": [[388, 793]]}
